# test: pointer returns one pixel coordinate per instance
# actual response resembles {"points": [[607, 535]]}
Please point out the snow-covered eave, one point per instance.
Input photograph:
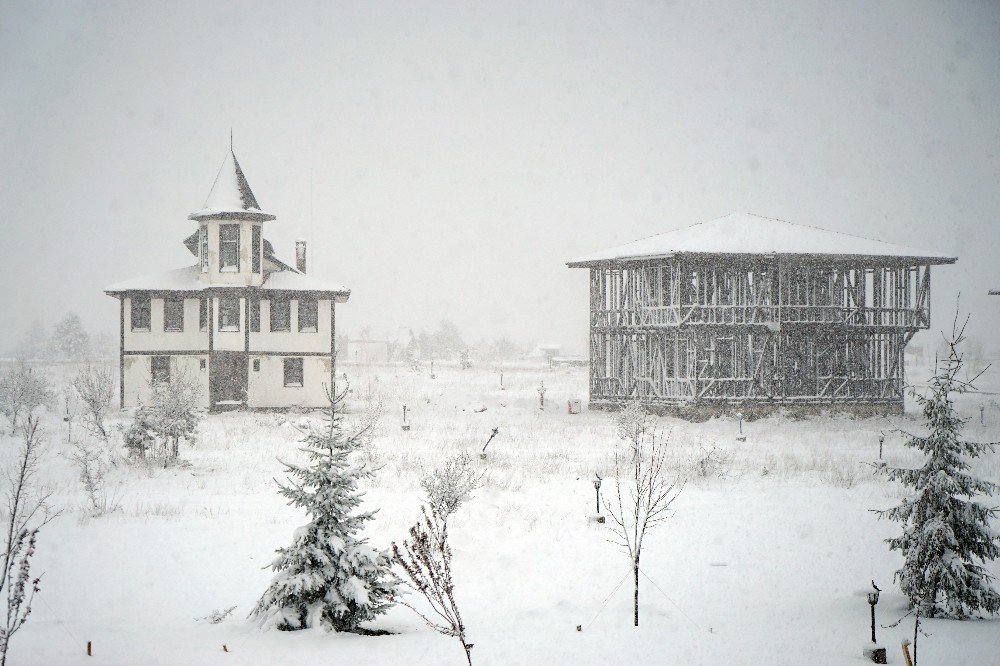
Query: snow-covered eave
{"points": [[746, 257], [338, 295], [251, 214], [187, 281]]}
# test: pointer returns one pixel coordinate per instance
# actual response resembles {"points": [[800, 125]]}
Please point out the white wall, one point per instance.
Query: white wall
{"points": [[156, 339], [292, 341], [267, 386], [138, 371]]}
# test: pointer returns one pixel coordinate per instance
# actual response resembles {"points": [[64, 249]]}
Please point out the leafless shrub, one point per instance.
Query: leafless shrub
{"points": [[713, 462], [451, 485], [22, 390], [92, 464], [96, 388], [426, 559], [26, 512]]}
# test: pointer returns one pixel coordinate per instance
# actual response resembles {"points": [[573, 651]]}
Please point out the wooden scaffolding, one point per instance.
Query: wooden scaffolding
{"points": [[780, 329]]}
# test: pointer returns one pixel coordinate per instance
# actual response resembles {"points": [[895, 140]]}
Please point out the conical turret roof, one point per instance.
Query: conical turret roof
{"points": [[231, 196]]}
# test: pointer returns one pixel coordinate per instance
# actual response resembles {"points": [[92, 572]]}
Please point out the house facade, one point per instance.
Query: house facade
{"points": [[249, 330], [748, 309]]}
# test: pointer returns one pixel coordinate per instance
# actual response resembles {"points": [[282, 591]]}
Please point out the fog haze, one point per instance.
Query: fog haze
{"points": [[444, 161]]}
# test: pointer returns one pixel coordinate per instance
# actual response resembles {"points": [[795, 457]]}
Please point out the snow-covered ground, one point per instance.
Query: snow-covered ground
{"points": [[765, 559]]}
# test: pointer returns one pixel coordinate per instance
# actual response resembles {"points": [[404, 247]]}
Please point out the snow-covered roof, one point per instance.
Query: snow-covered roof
{"points": [[745, 233], [231, 196], [187, 279]]}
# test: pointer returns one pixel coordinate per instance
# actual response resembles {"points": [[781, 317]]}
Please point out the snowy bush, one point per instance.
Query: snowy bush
{"points": [[22, 390], [451, 485], [329, 577], [947, 535], [217, 616], [171, 416]]}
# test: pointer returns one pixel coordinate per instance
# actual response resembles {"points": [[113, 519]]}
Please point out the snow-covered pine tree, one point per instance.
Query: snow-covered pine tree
{"points": [[946, 534], [329, 577]]}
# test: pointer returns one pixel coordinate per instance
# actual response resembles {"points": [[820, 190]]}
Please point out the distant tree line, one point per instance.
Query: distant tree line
{"points": [[67, 340]]}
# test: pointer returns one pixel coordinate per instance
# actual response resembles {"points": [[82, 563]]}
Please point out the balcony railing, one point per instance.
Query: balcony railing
{"points": [[735, 315]]}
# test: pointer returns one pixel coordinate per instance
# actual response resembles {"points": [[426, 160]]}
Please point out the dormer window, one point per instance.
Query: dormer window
{"points": [[140, 312], [203, 247], [229, 248]]}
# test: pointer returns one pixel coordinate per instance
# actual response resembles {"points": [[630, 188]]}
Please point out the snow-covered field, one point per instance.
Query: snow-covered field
{"points": [[765, 559]]}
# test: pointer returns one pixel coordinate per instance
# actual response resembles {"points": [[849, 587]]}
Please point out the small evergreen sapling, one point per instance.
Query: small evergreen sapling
{"points": [[946, 534], [329, 577]]}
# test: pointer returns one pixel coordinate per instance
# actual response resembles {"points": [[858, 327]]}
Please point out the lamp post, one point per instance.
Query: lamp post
{"points": [[739, 415], [872, 600], [597, 491]]}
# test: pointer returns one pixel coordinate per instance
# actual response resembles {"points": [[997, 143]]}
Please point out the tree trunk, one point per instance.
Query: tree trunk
{"points": [[635, 572]]}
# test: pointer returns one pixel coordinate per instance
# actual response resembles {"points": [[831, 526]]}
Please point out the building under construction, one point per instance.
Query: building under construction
{"points": [[748, 309]]}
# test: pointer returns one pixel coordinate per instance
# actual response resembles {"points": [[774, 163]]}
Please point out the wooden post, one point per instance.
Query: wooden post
{"points": [[89, 650]]}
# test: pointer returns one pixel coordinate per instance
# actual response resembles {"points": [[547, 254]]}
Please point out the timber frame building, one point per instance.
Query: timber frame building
{"points": [[246, 328], [748, 309]]}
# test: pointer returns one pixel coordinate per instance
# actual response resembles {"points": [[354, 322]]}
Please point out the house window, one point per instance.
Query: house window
{"points": [[202, 314], [173, 313], [229, 313], [160, 369], [256, 365], [229, 248], [140, 312], [255, 315], [293, 372], [308, 314], [203, 247], [201, 364], [255, 248], [281, 314]]}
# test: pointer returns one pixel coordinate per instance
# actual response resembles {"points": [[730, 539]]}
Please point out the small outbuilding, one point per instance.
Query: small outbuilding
{"points": [[750, 309]]}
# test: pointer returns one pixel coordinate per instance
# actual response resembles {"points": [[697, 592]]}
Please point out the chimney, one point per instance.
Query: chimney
{"points": [[300, 255]]}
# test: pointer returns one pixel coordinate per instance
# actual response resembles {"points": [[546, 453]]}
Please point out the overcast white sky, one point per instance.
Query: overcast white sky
{"points": [[461, 153]]}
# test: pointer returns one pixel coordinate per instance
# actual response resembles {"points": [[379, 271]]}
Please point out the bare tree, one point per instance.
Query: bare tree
{"points": [[643, 494], [22, 390], [426, 559], [27, 511], [96, 388]]}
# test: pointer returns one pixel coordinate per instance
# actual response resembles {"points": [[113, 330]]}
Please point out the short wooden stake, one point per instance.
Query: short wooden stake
{"points": [[89, 648], [906, 653], [224, 648]]}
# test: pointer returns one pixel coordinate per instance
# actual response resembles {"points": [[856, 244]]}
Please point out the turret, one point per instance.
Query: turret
{"points": [[230, 236]]}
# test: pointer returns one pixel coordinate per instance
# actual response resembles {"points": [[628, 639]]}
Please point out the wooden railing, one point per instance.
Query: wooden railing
{"points": [[672, 316]]}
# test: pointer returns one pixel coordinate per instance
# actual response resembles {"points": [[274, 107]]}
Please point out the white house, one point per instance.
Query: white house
{"points": [[248, 329]]}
